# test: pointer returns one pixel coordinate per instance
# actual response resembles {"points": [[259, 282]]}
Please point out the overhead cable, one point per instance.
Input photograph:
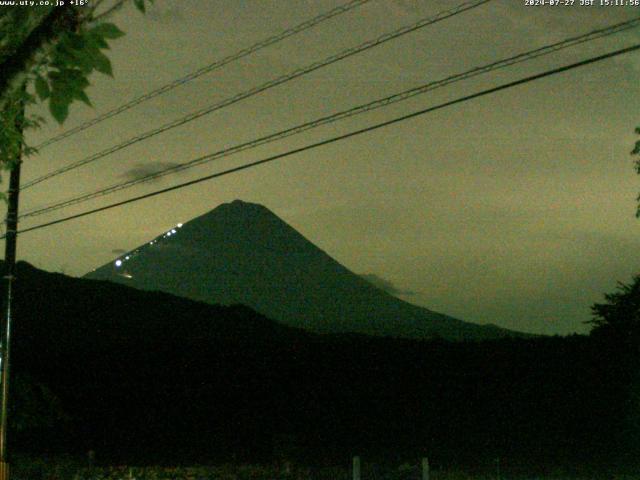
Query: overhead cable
{"points": [[306, 25], [328, 141], [379, 103], [261, 88]]}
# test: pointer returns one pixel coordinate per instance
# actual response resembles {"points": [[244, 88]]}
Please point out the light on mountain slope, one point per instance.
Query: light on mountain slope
{"points": [[264, 263]]}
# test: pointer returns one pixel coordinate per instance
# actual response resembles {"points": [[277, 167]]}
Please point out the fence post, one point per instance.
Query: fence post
{"points": [[425, 468], [356, 468]]}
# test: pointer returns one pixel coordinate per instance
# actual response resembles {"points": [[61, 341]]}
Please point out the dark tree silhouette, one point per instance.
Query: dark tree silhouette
{"points": [[636, 153], [620, 315], [617, 332]]}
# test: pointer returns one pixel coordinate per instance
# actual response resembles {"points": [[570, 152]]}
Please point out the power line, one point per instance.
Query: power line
{"points": [[341, 137], [379, 103], [306, 25], [265, 86]]}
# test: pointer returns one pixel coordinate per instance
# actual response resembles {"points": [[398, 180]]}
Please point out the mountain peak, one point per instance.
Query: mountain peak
{"points": [[238, 222], [241, 204], [237, 210], [243, 253]]}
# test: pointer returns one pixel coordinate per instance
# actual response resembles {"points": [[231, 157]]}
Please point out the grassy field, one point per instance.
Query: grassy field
{"points": [[71, 469]]}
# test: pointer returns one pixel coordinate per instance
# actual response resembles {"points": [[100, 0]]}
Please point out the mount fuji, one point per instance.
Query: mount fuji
{"points": [[242, 253]]}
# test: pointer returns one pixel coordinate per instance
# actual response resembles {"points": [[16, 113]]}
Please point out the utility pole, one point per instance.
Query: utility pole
{"points": [[9, 277]]}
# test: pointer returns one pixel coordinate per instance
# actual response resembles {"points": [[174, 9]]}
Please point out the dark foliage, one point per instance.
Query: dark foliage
{"points": [[152, 378], [620, 315], [617, 332]]}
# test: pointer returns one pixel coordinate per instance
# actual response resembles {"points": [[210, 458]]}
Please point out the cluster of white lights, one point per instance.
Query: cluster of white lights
{"points": [[120, 261], [173, 231]]}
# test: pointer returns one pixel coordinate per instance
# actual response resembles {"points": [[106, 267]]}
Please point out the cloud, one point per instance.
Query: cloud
{"points": [[384, 285], [143, 170], [171, 14]]}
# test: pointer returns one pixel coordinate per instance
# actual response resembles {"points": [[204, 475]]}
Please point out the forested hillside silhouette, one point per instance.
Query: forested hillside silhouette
{"points": [[147, 377]]}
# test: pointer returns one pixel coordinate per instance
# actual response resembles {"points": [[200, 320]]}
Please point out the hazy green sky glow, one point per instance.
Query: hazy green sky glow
{"points": [[515, 209]]}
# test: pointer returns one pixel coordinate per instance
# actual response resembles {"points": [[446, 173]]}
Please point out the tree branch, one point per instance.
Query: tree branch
{"points": [[15, 27], [110, 11], [15, 68]]}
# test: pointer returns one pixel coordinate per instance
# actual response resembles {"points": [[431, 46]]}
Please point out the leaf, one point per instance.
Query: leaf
{"points": [[59, 109], [42, 88], [84, 61], [80, 95], [96, 41], [61, 93], [140, 5], [75, 58], [102, 63], [76, 41], [91, 59], [107, 30]]}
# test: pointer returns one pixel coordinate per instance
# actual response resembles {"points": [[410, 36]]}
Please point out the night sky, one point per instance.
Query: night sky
{"points": [[515, 209]]}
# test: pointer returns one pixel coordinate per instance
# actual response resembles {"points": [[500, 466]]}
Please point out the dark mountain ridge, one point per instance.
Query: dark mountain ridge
{"points": [[147, 377], [242, 253]]}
